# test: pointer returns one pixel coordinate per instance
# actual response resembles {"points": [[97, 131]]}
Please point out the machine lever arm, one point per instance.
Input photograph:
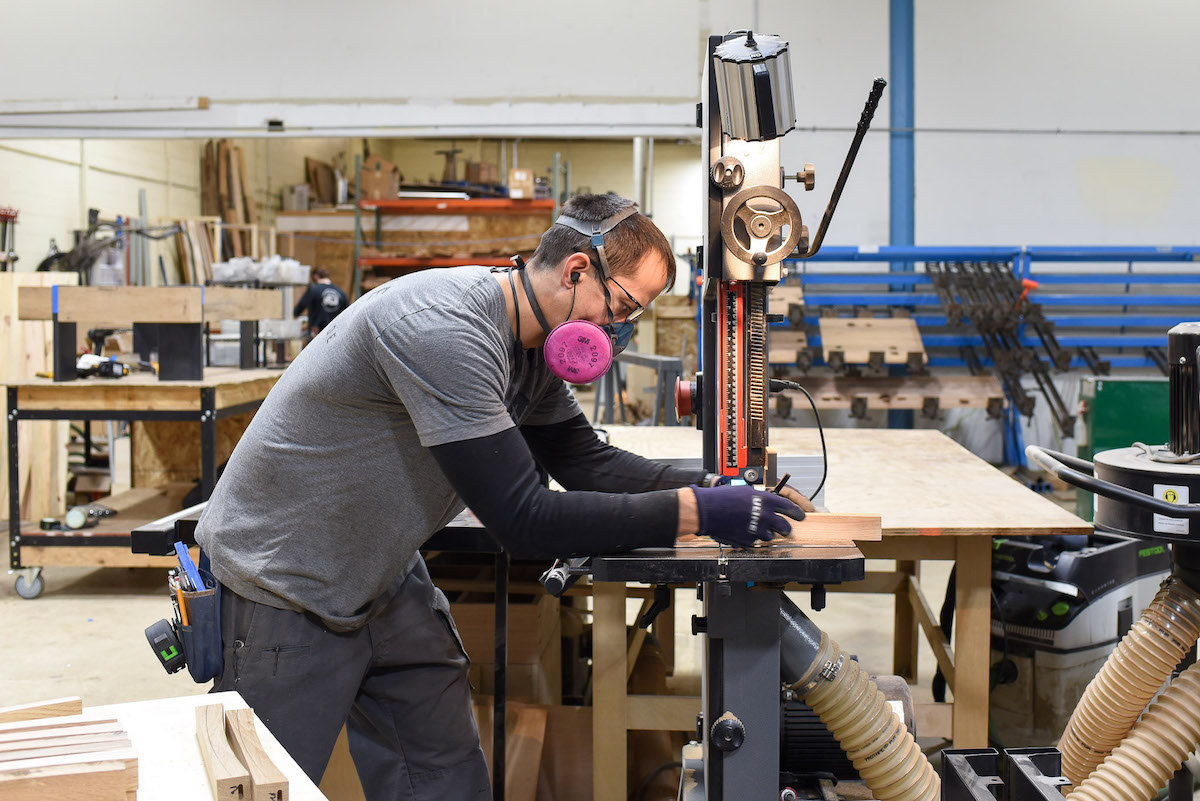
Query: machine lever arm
{"points": [[1080, 473], [864, 122]]}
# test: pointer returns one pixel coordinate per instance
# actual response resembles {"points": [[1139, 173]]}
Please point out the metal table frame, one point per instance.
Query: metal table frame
{"points": [[207, 416]]}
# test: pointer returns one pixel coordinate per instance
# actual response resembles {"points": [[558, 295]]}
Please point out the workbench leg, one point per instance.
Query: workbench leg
{"points": [[208, 441], [14, 483], [664, 632], [972, 640], [609, 670], [906, 637]]}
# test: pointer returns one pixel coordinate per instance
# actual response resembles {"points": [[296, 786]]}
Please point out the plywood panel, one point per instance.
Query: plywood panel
{"points": [[856, 338], [166, 451], [785, 345], [919, 481], [26, 349]]}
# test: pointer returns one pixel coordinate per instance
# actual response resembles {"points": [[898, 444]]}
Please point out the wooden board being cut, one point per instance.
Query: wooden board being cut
{"points": [[856, 338], [817, 528]]}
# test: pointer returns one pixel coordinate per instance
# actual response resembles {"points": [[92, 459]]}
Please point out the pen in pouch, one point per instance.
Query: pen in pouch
{"points": [[183, 615]]}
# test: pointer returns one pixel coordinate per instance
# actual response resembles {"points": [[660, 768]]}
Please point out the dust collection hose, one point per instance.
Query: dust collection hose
{"points": [[1130, 677], [1154, 750], [854, 710]]}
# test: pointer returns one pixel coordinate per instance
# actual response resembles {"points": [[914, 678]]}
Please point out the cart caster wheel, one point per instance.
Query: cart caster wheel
{"points": [[30, 589]]}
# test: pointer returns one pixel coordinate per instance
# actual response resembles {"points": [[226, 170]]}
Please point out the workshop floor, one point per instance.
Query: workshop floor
{"points": [[83, 636]]}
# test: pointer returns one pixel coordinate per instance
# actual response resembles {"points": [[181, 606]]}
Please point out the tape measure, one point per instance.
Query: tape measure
{"points": [[166, 645]]}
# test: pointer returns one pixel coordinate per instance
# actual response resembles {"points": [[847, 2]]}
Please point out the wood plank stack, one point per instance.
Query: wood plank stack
{"points": [[49, 750], [195, 247], [225, 193]]}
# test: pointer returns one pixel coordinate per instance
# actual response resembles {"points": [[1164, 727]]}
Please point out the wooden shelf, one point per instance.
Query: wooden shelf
{"points": [[433, 261], [457, 206]]}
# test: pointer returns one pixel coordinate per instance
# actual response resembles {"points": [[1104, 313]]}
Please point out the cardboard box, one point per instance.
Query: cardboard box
{"points": [[482, 172], [296, 197], [520, 183], [380, 179]]}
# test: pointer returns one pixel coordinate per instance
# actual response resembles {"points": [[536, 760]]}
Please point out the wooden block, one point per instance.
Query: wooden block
{"points": [[267, 782], [106, 780], [235, 303], [227, 776], [36, 710], [817, 528], [117, 306]]}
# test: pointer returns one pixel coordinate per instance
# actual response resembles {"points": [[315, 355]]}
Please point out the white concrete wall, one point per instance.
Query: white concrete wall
{"points": [[1012, 100], [52, 183]]}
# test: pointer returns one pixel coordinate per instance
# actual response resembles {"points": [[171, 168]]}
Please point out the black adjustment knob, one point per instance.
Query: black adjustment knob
{"points": [[728, 734], [699, 625]]}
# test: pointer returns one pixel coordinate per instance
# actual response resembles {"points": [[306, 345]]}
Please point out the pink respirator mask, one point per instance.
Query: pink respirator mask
{"points": [[579, 351]]}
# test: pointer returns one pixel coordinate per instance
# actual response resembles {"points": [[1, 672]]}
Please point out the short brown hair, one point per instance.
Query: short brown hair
{"points": [[626, 245], [319, 272]]}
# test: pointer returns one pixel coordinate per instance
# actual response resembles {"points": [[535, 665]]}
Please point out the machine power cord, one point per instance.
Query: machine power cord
{"points": [[785, 384]]}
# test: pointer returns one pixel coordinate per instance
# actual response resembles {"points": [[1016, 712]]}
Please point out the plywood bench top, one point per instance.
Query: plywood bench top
{"points": [[920, 481]]}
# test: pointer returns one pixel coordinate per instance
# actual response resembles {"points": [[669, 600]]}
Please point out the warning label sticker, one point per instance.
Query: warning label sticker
{"points": [[1171, 493]]}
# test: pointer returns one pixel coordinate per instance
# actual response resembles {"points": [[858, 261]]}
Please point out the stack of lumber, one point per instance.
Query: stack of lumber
{"points": [[195, 245], [226, 193], [49, 750]]}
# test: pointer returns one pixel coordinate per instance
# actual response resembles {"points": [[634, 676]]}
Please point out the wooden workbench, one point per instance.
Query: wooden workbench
{"points": [[937, 500], [168, 456]]}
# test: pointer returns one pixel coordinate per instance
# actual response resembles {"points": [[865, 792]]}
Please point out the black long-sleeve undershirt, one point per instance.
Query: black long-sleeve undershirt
{"points": [[496, 477], [571, 452]]}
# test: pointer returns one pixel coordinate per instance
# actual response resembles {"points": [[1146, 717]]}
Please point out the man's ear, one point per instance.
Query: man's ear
{"points": [[574, 269]]}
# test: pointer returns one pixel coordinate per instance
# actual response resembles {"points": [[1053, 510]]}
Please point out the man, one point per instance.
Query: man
{"points": [[322, 301], [431, 391]]}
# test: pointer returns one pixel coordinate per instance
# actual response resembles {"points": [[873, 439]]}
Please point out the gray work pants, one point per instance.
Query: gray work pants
{"points": [[399, 684]]}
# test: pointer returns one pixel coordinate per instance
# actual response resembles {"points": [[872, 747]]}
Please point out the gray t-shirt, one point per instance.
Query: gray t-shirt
{"points": [[332, 489]]}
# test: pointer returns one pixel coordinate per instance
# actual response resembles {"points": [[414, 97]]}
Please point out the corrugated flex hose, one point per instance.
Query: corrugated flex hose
{"points": [[1154, 750], [854, 710], [1136, 671]]}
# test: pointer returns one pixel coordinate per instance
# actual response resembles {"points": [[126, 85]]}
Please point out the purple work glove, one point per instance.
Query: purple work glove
{"points": [[740, 514]]}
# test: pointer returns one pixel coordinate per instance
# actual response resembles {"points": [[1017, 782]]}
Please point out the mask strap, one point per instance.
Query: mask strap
{"points": [[533, 302], [512, 287]]}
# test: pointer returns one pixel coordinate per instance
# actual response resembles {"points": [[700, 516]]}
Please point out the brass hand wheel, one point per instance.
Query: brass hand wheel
{"points": [[761, 224]]}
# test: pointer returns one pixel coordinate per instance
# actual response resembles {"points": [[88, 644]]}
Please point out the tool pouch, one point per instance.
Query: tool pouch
{"points": [[202, 636]]}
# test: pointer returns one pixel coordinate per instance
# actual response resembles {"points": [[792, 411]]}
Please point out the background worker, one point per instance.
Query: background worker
{"points": [[433, 391], [321, 302]]}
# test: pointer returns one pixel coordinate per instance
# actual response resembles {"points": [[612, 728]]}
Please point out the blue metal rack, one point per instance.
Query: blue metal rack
{"points": [[1127, 311]]}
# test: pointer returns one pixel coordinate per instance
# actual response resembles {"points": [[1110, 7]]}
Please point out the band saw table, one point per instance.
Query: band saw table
{"points": [[938, 501]]}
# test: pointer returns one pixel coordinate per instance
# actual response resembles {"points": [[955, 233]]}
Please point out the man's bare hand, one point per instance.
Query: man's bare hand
{"points": [[789, 493]]}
